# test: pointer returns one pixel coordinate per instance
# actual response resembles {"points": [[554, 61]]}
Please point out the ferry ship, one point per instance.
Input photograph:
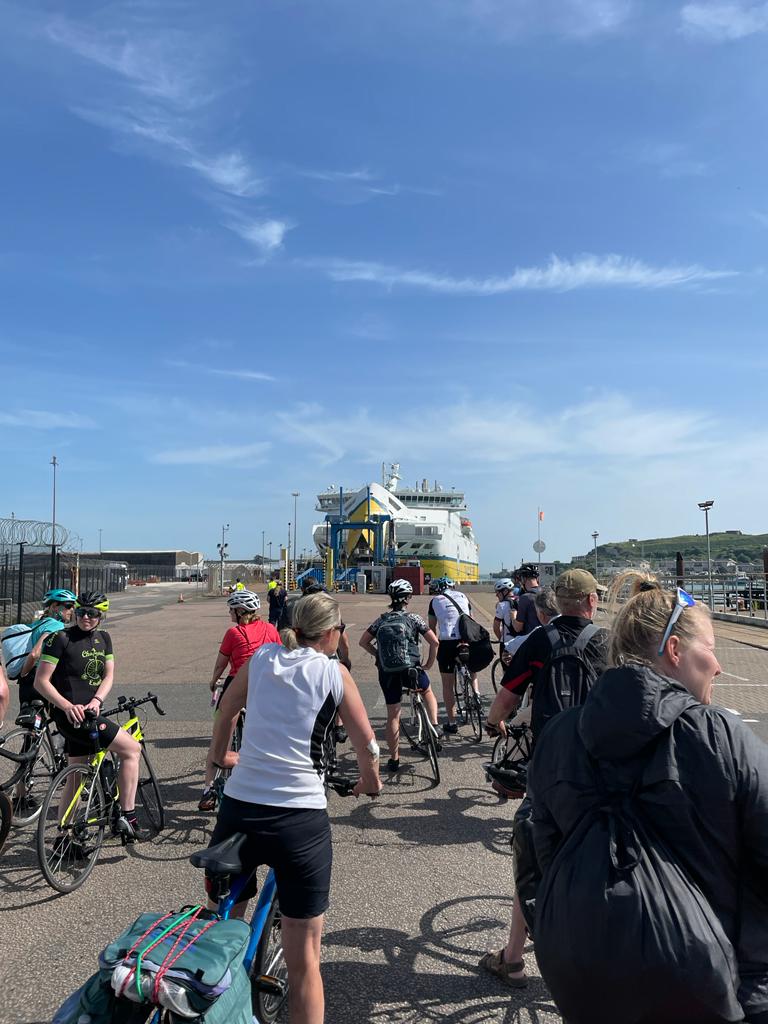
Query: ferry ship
{"points": [[427, 526]]}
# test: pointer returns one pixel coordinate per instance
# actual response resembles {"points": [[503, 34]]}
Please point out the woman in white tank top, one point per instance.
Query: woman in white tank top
{"points": [[275, 793]]}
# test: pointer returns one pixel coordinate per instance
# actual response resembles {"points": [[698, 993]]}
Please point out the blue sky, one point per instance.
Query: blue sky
{"points": [[518, 246]]}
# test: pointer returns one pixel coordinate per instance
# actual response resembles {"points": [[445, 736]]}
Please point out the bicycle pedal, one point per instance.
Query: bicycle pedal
{"points": [[271, 985]]}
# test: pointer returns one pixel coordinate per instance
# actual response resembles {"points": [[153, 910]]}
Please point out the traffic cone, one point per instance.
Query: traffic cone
{"points": [[181, 599]]}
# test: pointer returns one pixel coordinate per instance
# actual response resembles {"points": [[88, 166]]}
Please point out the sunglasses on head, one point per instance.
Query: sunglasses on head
{"points": [[89, 613], [683, 600]]}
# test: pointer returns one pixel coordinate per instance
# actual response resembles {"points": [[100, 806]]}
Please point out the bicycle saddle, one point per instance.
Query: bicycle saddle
{"points": [[223, 858]]}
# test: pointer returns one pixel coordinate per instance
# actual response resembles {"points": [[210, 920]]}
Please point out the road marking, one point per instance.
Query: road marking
{"points": [[744, 679], [751, 720]]}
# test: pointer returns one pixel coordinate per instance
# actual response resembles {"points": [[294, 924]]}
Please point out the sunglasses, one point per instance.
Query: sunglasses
{"points": [[88, 613], [68, 604], [683, 600]]}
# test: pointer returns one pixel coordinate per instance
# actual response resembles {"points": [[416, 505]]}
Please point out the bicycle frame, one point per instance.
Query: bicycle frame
{"points": [[133, 728], [259, 916]]}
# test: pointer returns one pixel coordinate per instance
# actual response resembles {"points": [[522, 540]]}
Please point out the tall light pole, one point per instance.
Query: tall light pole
{"points": [[595, 535], [54, 463], [99, 540], [270, 558], [262, 557], [705, 506], [222, 549], [295, 519]]}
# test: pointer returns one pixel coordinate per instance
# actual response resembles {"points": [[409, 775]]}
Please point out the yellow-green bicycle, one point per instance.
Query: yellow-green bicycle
{"points": [[83, 801]]}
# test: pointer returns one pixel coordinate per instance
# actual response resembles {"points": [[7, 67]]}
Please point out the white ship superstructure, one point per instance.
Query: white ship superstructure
{"points": [[426, 523]]}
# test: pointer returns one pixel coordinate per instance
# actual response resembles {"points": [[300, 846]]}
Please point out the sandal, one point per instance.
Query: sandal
{"points": [[208, 800], [494, 963]]}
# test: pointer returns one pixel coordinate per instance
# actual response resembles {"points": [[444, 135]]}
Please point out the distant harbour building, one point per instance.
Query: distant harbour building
{"points": [[163, 565]]}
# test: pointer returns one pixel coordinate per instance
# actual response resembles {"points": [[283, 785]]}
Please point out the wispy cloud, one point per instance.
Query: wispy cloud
{"points": [[724, 21], [181, 364], [36, 419], [509, 19], [213, 455], [158, 96], [760, 217], [359, 185], [671, 160], [586, 271], [584, 430], [266, 236]]}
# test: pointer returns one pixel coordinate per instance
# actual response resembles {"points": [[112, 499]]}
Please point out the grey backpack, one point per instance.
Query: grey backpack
{"points": [[394, 640]]}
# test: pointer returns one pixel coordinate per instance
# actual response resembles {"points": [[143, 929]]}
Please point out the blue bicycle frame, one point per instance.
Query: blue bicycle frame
{"points": [[259, 917]]}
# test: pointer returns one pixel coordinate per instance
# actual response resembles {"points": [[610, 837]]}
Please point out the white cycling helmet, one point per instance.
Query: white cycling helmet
{"points": [[400, 588], [504, 584], [244, 601]]}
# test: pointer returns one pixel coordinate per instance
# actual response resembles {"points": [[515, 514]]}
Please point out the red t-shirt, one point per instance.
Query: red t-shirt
{"points": [[240, 642]]}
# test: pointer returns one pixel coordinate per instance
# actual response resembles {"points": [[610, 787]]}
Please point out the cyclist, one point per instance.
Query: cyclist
{"points": [[505, 610], [58, 607], [275, 794], [393, 683], [246, 634], [277, 597], [239, 585], [526, 620], [443, 618], [75, 674]]}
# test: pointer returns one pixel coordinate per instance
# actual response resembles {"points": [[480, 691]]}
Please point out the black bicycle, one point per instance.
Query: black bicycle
{"points": [[6, 808], [417, 728], [222, 774], [499, 666], [468, 705], [25, 780]]}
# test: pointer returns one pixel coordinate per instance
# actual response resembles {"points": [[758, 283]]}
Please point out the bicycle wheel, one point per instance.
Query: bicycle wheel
{"points": [[429, 741], [499, 749], [6, 814], [27, 784], [411, 725], [475, 715], [459, 693], [70, 830], [268, 973], [148, 798]]}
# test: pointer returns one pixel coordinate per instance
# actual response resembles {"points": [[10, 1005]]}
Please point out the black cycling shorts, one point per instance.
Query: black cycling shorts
{"points": [[446, 655], [77, 742], [393, 683], [294, 841]]}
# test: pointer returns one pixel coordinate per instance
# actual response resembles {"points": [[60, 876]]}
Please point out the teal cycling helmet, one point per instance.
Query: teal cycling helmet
{"points": [[59, 596]]}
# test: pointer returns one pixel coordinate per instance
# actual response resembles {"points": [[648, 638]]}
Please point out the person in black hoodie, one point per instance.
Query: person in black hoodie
{"points": [[696, 778]]}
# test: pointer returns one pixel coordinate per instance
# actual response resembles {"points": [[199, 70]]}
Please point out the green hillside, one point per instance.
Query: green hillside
{"points": [[741, 547]]}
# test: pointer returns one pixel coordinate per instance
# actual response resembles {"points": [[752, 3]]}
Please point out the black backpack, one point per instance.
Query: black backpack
{"points": [[565, 679], [394, 639], [477, 636]]}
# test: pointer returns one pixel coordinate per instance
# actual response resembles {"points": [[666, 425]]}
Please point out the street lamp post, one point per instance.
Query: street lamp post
{"points": [[222, 549], [705, 506], [262, 557], [100, 540], [295, 495], [595, 535], [54, 463]]}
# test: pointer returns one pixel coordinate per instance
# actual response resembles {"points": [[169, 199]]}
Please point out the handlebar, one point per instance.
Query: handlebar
{"points": [[18, 758], [128, 705]]}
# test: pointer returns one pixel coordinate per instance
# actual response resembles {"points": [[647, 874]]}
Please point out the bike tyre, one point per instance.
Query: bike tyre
{"points": [[269, 960], [459, 694], [149, 797], [35, 776], [6, 816], [92, 837], [475, 715], [429, 743]]}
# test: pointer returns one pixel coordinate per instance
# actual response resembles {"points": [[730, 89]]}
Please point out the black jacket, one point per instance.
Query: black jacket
{"points": [[704, 791]]}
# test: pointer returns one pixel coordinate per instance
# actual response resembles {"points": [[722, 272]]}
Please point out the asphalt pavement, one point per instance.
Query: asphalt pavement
{"points": [[422, 881]]}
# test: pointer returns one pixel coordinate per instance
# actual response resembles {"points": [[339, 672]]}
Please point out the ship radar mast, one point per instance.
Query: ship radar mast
{"points": [[390, 479]]}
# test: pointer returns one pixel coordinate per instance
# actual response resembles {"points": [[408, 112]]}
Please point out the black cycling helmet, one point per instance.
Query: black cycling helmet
{"points": [[529, 571], [93, 599], [311, 587], [510, 777]]}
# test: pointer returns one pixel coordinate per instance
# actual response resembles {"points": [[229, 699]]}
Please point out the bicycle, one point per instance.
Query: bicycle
{"points": [[6, 808], [35, 735], [82, 800], [468, 705], [264, 960], [417, 728], [222, 774], [499, 666]]}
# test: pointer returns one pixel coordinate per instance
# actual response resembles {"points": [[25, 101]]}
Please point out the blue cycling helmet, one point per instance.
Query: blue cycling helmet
{"points": [[59, 596], [445, 583]]}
